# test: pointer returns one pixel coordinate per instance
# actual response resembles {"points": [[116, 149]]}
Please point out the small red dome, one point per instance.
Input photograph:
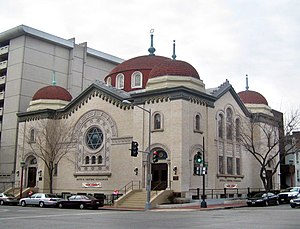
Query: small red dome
{"points": [[138, 63], [174, 68], [252, 97], [52, 92]]}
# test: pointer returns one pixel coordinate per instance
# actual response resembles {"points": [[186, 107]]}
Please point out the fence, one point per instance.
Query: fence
{"points": [[224, 193]]}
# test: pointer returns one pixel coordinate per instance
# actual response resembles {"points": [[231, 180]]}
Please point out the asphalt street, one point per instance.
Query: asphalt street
{"points": [[282, 216]]}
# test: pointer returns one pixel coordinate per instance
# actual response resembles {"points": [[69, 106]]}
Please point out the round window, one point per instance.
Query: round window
{"points": [[94, 138]]}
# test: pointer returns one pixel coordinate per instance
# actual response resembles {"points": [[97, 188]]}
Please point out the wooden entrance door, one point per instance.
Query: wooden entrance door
{"points": [[159, 176], [31, 177]]}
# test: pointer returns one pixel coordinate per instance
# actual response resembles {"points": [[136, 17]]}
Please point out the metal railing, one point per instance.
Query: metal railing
{"points": [[224, 193]]}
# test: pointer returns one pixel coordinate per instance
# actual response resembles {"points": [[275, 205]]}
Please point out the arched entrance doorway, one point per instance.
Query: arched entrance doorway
{"points": [[31, 172], [159, 171]]}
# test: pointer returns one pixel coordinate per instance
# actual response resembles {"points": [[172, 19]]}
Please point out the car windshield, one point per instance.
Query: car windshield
{"points": [[9, 195], [51, 196], [260, 194], [294, 190]]}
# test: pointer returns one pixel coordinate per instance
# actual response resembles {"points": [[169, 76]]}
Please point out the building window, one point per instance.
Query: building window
{"points": [[229, 165], [94, 138], [136, 80], [93, 160], [229, 124], [197, 123], [220, 125], [108, 81], [221, 165], [32, 135], [157, 122], [120, 81], [87, 160], [99, 160], [238, 166]]}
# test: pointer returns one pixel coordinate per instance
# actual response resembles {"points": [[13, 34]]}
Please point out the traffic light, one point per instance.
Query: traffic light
{"points": [[155, 157], [134, 149], [198, 158]]}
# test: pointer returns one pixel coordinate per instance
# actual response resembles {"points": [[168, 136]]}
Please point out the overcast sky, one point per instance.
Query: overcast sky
{"points": [[222, 39]]}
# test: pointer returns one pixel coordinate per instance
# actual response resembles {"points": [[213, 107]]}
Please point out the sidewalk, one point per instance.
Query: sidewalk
{"points": [[212, 204]]}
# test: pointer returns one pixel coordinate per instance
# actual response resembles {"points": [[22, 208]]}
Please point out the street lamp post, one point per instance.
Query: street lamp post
{"points": [[22, 164], [148, 176]]}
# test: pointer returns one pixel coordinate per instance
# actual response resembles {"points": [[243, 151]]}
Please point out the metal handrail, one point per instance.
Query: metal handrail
{"points": [[130, 186]]}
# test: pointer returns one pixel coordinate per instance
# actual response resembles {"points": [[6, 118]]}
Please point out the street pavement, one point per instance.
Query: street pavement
{"points": [[212, 204]]}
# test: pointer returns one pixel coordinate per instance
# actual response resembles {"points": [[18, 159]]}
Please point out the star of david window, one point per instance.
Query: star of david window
{"points": [[94, 138]]}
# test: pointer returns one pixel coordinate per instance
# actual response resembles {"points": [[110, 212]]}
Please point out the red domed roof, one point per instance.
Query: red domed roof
{"points": [[252, 97], [52, 92], [174, 68], [139, 63]]}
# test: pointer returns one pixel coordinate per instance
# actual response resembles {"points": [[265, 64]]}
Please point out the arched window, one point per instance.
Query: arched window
{"points": [[93, 160], [87, 160], [229, 124], [220, 125], [108, 81], [120, 81], [32, 135], [157, 121], [197, 122], [136, 80], [99, 160]]}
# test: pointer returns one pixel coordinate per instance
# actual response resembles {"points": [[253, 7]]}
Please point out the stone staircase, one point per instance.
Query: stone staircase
{"points": [[135, 199]]}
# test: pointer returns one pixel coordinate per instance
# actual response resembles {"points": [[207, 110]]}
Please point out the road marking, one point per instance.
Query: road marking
{"points": [[3, 210], [47, 216]]}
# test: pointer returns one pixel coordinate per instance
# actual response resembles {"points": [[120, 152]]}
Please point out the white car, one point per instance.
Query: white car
{"points": [[40, 199], [285, 197]]}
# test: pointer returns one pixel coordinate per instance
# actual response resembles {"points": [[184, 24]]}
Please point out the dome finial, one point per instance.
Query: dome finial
{"points": [[174, 55], [53, 79], [151, 49], [247, 86]]}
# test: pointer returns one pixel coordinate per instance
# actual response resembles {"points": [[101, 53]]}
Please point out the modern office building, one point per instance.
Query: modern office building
{"points": [[29, 60]]}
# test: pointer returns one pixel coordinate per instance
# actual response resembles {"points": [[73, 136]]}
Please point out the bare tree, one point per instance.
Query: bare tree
{"points": [[267, 141], [51, 142]]}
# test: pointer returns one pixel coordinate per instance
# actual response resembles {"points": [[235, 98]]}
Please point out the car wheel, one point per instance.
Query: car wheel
{"points": [[60, 205], [293, 206], [42, 204], [81, 206], [1, 202], [267, 203], [23, 203]]}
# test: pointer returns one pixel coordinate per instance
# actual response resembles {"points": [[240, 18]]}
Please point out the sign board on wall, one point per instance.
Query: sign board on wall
{"points": [[230, 186], [91, 185]]}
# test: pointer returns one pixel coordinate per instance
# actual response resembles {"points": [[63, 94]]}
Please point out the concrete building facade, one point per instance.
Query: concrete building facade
{"points": [[29, 59]]}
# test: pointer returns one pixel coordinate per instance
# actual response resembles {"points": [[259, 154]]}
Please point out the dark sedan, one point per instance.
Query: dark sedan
{"points": [[6, 198], [81, 201], [263, 199]]}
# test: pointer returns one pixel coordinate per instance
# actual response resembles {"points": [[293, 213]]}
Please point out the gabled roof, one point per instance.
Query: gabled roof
{"points": [[223, 89]]}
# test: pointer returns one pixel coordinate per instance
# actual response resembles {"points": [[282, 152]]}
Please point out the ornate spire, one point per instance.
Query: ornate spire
{"points": [[151, 49], [247, 86], [174, 55], [53, 79]]}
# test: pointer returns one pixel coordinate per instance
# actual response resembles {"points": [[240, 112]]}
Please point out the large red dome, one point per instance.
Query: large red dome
{"points": [[174, 68], [139, 63], [52, 92], [252, 97]]}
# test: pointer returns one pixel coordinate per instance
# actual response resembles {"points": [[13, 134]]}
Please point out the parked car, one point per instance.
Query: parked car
{"points": [[81, 201], [6, 198], [40, 199], [295, 202], [263, 199], [285, 197]]}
